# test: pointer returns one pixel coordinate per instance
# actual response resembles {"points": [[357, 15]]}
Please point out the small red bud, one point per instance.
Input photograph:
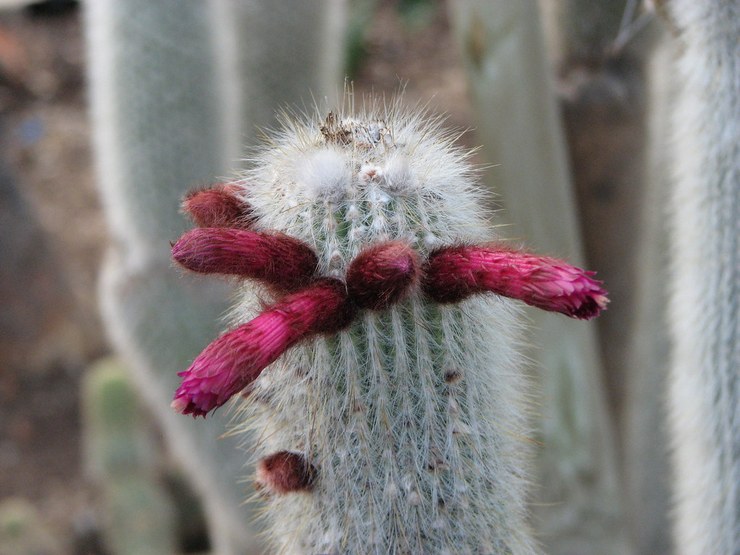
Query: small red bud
{"points": [[218, 206], [285, 472], [382, 275]]}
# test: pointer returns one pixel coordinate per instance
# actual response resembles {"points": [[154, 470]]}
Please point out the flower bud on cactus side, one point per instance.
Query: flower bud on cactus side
{"points": [[284, 472], [455, 273], [218, 206], [276, 259], [382, 373]]}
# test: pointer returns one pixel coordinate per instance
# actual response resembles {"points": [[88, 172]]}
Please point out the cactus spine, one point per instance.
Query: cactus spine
{"points": [[705, 227], [401, 426]]}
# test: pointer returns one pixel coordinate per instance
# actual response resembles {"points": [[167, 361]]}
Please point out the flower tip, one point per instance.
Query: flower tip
{"points": [[184, 406], [179, 404], [592, 306]]}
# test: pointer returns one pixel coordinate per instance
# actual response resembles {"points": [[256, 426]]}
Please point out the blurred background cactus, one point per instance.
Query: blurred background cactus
{"points": [[23, 532], [704, 310], [576, 501], [177, 89], [122, 459], [572, 102], [156, 96]]}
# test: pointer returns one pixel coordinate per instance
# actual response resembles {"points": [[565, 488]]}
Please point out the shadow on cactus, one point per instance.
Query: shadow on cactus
{"points": [[376, 339]]}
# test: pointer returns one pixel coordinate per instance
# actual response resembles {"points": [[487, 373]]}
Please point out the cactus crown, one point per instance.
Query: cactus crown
{"points": [[384, 396], [381, 174]]}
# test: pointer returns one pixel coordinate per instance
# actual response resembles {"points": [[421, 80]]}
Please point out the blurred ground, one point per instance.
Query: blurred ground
{"points": [[49, 329]]}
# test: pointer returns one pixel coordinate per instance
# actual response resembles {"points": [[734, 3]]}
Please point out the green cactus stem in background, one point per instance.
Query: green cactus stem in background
{"points": [[576, 505], [120, 453]]}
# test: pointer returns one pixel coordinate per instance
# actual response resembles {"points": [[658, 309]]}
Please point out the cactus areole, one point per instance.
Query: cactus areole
{"points": [[375, 339]]}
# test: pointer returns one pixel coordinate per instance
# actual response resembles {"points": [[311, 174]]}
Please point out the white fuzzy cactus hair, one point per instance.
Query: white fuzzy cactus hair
{"points": [[704, 309], [373, 345]]}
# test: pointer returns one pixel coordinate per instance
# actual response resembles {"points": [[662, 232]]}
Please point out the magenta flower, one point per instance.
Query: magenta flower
{"points": [[454, 273], [276, 259], [237, 358]]}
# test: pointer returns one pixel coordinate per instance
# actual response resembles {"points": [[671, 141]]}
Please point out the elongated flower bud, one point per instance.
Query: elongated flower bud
{"points": [[236, 359], [274, 258], [218, 206], [454, 273]]}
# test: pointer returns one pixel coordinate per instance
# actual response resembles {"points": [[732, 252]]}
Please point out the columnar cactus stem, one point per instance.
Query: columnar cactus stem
{"points": [[398, 424], [177, 87], [139, 514], [705, 293], [577, 504]]}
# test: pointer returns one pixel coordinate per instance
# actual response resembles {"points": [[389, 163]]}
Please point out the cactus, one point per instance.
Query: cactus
{"points": [[385, 390], [23, 531], [155, 97], [705, 290], [176, 88], [605, 80], [120, 456], [602, 89], [577, 504], [645, 440]]}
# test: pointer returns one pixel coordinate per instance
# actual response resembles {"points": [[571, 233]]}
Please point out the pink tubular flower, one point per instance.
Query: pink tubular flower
{"points": [[381, 275], [236, 358], [454, 273], [285, 472], [271, 257], [218, 206]]}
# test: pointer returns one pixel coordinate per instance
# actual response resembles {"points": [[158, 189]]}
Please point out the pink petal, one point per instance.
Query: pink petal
{"points": [[454, 273]]}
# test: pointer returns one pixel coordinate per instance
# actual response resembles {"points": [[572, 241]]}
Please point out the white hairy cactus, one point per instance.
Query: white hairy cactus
{"points": [[705, 227], [399, 423]]}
